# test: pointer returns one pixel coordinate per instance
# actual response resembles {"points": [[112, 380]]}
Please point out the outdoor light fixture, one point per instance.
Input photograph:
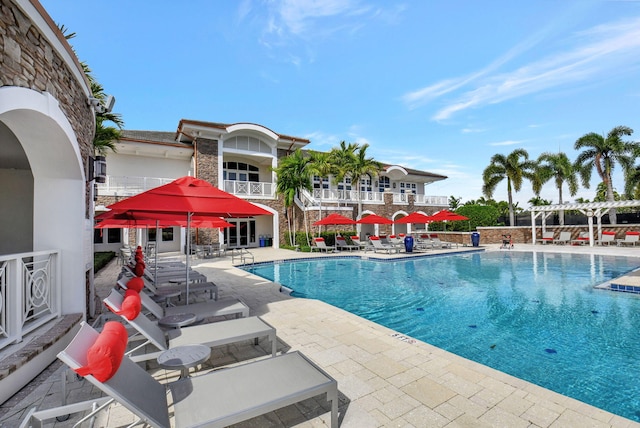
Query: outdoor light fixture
{"points": [[102, 106], [100, 169]]}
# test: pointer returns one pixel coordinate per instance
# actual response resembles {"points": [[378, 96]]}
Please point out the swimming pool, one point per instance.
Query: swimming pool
{"points": [[534, 315]]}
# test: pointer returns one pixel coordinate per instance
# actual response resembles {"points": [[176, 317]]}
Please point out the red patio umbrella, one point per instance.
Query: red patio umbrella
{"points": [[334, 219], [415, 217], [374, 219], [446, 215], [188, 196]]}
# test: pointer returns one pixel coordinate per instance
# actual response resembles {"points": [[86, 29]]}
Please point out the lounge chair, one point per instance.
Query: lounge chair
{"points": [[341, 244], [630, 238], [582, 239], [216, 399], [363, 245], [379, 246], [437, 243], [607, 238], [194, 287], [201, 310], [320, 245], [547, 238], [564, 238], [213, 334]]}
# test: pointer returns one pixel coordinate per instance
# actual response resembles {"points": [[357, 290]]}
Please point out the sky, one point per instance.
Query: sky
{"points": [[439, 86]]}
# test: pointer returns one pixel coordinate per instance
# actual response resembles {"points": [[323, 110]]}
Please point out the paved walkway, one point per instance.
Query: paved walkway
{"points": [[384, 379]]}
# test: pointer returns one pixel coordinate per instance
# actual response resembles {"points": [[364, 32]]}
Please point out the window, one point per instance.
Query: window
{"points": [[408, 188], [365, 184], [345, 184], [383, 184], [114, 236], [240, 171], [97, 236], [167, 234], [320, 182]]}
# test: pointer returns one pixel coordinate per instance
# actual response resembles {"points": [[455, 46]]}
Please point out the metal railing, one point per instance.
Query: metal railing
{"points": [[329, 195], [30, 293], [118, 185], [250, 188]]}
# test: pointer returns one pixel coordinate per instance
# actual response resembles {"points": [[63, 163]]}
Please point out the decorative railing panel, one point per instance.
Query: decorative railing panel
{"points": [[128, 186], [29, 293], [249, 189]]}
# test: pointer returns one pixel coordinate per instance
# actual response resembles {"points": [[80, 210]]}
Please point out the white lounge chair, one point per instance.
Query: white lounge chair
{"points": [[213, 334], [216, 399], [437, 243], [547, 237], [194, 287], [630, 238], [582, 239], [564, 238], [607, 238], [320, 245], [341, 244], [363, 245], [379, 246], [202, 310]]}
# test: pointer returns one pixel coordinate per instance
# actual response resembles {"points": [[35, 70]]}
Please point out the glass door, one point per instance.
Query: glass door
{"points": [[242, 235]]}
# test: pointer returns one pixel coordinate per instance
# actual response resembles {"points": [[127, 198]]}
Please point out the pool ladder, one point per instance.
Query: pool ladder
{"points": [[243, 254]]}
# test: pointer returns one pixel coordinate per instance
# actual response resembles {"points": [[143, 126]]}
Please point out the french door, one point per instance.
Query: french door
{"points": [[242, 235]]}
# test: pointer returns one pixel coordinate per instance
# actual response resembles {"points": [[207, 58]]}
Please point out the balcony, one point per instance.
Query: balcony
{"points": [[250, 189], [336, 196], [128, 186]]}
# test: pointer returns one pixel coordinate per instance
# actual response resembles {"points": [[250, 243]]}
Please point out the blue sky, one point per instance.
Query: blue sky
{"points": [[439, 86]]}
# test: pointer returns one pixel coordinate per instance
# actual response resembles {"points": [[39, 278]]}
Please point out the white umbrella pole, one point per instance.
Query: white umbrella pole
{"points": [[188, 251]]}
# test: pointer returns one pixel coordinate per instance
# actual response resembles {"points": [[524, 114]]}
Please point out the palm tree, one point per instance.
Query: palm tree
{"points": [[293, 175], [603, 153], [322, 166], [537, 201], [559, 167], [105, 136], [514, 167], [351, 160]]}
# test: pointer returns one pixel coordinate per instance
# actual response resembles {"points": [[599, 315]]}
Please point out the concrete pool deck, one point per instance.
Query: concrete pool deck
{"points": [[384, 378]]}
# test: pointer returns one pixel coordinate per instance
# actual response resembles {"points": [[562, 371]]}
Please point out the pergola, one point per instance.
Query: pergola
{"points": [[591, 209]]}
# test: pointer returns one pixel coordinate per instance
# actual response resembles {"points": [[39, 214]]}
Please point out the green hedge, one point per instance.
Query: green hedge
{"points": [[101, 259]]}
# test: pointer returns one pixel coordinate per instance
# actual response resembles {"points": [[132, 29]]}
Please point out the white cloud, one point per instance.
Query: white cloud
{"points": [[506, 143], [598, 52]]}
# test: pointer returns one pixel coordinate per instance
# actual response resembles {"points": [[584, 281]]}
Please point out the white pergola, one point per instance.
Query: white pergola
{"points": [[591, 209]]}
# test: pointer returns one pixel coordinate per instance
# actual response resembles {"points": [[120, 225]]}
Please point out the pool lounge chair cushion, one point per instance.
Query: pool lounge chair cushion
{"points": [[131, 305], [135, 283], [105, 355]]}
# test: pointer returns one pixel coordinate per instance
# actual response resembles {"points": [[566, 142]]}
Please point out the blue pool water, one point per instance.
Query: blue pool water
{"points": [[535, 316]]}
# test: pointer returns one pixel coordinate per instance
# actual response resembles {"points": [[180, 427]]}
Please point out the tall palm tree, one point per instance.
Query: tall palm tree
{"points": [[293, 175], [557, 166], [351, 160], [603, 153], [514, 167]]}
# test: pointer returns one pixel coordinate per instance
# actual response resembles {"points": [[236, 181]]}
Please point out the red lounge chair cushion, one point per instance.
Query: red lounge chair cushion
{"points": [[608, 233], [633, 233], [318, 239], [105, 355], [374, 238], [131, 305], [136, 284], [139, 269]]}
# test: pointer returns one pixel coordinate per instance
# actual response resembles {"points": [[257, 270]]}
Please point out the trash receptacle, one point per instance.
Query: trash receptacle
{"points": [[269, 241], [475, 239], [262, 241], [408, 244]]}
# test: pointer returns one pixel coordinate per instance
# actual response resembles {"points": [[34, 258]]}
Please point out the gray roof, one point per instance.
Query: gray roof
{"points": [[150, 136]]}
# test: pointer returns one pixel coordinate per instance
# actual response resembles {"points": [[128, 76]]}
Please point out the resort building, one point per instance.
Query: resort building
{"points": [[239, 158]]}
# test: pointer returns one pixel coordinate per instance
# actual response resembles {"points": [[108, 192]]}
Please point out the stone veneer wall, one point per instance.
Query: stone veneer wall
{"points": [[522, 235], [28, 60]]}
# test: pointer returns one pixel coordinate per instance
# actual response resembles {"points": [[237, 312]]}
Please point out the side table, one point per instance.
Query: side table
{"points": [[184, 357], [178, 320]]}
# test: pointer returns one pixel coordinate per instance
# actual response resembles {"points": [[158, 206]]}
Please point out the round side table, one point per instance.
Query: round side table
{"points": [[184, 357], [177, 320]]}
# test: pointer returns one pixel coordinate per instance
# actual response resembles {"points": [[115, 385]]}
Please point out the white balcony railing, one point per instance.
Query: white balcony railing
{"points": [[249, 188], [118, 185], [330, 195], [30, 293]]}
